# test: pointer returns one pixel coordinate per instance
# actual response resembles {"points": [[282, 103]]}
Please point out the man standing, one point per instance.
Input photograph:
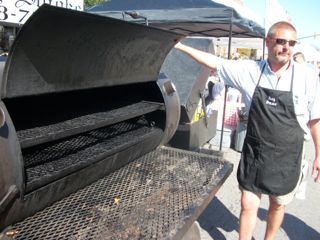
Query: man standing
{"points": [[282, 98]]}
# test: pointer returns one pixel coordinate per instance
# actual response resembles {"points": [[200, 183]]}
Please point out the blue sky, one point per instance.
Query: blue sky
{"points": [[304, 14]]}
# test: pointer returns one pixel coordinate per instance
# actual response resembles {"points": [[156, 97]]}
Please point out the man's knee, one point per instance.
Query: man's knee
{"points": [[250, 201], [274, 205]]}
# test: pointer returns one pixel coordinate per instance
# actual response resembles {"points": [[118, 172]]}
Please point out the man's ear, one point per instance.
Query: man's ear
{"points": [[268, 41]]}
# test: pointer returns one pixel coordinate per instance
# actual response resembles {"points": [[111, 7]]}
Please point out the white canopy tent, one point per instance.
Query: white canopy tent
{"points": [[192, 18]]}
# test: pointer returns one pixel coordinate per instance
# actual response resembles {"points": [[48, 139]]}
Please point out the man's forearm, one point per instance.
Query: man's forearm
{"points": [[205, 58], [315, 132]]}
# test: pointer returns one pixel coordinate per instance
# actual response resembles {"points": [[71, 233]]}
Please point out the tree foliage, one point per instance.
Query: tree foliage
{"points": [[89, 3]]}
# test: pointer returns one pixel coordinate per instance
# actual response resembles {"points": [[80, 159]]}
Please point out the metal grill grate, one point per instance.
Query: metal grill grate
{"points": [[39, 135], [43, 162], [150, 198]]}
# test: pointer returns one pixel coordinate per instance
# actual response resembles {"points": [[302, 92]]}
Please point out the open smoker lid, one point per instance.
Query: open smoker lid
{"points": [[188, 76], [60, 50], [193, 18]]}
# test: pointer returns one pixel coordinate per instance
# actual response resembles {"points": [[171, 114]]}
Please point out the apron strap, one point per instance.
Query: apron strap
{"points": [[292, 76], [261, 73]]}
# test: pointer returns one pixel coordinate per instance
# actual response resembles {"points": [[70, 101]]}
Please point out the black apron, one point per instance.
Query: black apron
{"points": [[272, 149]]}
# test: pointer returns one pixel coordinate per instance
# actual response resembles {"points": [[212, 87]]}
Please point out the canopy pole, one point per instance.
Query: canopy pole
{"points": [[226, 88], [264, 48]]}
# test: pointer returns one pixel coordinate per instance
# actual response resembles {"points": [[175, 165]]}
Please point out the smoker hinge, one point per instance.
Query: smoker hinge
{"points": [[11, 194], [204, 108], [2, 117]]}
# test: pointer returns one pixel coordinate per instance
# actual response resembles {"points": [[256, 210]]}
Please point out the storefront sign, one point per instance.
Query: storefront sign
{"points": [[16, 12]]}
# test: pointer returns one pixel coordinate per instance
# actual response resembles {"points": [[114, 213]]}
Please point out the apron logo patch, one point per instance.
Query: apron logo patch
{"points": [[271, 101]]}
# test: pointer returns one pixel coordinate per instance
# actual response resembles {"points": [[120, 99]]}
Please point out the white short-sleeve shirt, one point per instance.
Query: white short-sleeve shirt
{"points": [[244, 75]]}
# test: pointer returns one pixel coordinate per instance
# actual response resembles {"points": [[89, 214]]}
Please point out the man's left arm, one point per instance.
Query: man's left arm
{"points": [[315, 132]]}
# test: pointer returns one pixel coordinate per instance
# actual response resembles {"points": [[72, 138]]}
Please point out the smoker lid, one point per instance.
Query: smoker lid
{"points": [[189, 77], [60, 50]]}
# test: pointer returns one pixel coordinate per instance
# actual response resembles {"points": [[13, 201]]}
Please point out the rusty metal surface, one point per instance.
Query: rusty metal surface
{"points": [[157, 196]]}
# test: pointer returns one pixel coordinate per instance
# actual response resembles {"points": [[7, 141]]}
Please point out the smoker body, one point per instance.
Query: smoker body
{"points": [[86, 118], [79, 104]]}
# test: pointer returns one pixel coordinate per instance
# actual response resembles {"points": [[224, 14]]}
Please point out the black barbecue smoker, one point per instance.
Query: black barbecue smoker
{"points": [[196, 127], [85, 119]]}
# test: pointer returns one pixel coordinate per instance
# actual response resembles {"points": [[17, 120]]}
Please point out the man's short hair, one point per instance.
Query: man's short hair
{"points": [[283, 24]]}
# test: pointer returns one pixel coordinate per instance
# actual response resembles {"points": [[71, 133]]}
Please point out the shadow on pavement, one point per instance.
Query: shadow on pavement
{"points": [[294, 227], [216, 217]]}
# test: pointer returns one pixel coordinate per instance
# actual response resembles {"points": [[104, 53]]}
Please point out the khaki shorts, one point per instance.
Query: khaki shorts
{"points": [[287, 198], [283, 199]]}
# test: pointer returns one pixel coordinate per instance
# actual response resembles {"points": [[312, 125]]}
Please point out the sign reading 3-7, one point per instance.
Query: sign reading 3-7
{"points": [[16, 12]]}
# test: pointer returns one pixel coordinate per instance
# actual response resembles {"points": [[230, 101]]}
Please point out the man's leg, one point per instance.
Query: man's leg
{"points": [[274, 219], [248, 217], [277, 210]]}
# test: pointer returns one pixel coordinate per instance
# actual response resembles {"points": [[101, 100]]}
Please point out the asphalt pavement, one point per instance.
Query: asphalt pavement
{"points": [[220, 220]]}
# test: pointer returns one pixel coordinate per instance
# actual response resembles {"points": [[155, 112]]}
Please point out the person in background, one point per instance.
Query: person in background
{"points": [[215, 86], [299, 57], [282, 98], [215, 92]]}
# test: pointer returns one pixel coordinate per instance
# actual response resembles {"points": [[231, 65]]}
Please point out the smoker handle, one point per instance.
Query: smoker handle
{"points": [[7, 199], [2, 117], [204, 108]]}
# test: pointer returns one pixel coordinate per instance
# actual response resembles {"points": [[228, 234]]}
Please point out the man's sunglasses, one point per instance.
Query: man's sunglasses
{"points": [[282, 42]]}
